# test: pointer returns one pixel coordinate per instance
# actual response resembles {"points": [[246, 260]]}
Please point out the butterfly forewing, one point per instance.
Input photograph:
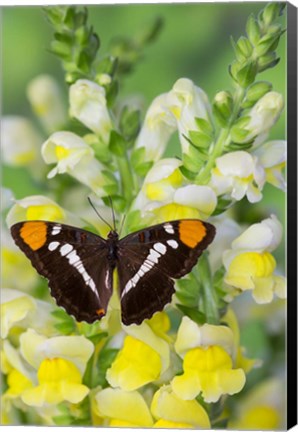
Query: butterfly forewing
{"points": [[75, 263], [149, 258]]}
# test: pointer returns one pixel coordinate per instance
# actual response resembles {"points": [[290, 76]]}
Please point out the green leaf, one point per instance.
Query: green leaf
{"points": [[137, 156], [222, 205], [117, 144], [143, 168], [105, 359], [257, 90], [129, 122], [193, 314], [107, 65], [192, 164], [204, 126], [190, 175], [200, 140], [244, 45]]}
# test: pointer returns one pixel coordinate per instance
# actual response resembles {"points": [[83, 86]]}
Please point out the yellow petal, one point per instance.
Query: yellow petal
{"points": [[168, 406], [73, 393], [166, 424], [186, 386], [44, 212], [125, 406], [17, 383], [136, 364]]}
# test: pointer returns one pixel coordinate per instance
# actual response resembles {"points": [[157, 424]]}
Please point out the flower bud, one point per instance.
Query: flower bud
{"points": [[222, 107], [257, 90], [253, 30]]}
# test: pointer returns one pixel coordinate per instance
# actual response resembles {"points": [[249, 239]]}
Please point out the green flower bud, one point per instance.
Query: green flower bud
{"points": [[246, 75], [222, 107], [245, 46], [267, 43], [267, 61], [271, 13], [253, 30], [257, 90]]}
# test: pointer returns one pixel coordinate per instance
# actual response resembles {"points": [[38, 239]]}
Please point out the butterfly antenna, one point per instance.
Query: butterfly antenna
{"points": [[107, 223], [113, 213]]}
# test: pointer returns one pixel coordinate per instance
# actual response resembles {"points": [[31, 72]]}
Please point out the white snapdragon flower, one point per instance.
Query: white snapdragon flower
{"points": [[72, 155], [238, 173], [263, 115], [88, 104], [272, 156], [165, 197], [45, 98], [250, 265], [187, 102], [159, 124], [20, 141], [175, 110]]}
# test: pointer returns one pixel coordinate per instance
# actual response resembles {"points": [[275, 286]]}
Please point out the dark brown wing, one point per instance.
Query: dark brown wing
{"points": [[75, 263], [148, 260]]}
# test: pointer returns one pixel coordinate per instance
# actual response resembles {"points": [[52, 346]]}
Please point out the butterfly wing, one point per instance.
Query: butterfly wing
{"points": [[75, 263], [150, 258]]}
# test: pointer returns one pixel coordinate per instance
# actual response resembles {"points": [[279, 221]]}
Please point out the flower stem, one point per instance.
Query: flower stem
{"points": [[126, 177], [223, 139], [209, 295]]}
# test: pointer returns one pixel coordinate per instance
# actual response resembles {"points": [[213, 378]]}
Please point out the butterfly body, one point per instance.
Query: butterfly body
{"points": [[79, 265]]}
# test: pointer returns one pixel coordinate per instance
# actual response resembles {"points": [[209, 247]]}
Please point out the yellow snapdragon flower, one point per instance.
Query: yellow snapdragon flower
{"points": [[250, 264], [145, 354], [60, 362], [208, 354], [165, 197]]}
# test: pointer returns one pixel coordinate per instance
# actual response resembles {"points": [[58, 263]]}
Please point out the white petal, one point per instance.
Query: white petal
{"points": [[201, 197], [238, 163], [272, 153], [162, 169]]}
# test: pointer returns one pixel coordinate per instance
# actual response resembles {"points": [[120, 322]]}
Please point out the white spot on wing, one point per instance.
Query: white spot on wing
{"points": [[56, 229], [169, 228], [173, 244], [53, 245], [159, 247], [65, 249]]}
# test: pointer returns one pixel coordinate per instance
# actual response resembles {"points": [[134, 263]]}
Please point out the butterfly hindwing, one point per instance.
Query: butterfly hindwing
{"points": [[75, 263], [148, 260]]}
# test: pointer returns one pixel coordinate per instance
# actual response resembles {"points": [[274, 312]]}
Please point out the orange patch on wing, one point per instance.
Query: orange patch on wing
{"points": [[34, 234], [191, 232]]}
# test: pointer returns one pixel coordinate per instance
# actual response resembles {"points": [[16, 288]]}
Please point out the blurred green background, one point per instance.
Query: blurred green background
{"points": [[194, 43]]}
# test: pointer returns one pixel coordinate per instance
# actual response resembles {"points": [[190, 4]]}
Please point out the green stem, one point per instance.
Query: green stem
{"points": [[127, 181], [209, 295], [222, 140]]}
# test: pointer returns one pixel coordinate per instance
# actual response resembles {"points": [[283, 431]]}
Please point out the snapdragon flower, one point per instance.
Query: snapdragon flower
{"points": [[238, 174], [208, 363], [20, 141], [272, 156], [74, 156], [144, 356], [164, 196], [250, 265], [175, 110], [88, 104], [45, 98], [60, 362], [263, 115]]}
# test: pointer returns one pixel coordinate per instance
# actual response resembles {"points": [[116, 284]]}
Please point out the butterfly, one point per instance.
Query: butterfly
{"points": [[79, 265]]}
